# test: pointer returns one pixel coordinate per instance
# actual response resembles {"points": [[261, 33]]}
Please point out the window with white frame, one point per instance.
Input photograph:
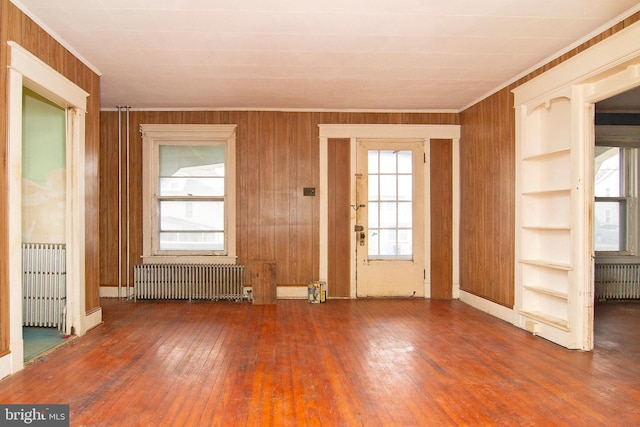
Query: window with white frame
{"points": [[188, 192], [615, 190]]}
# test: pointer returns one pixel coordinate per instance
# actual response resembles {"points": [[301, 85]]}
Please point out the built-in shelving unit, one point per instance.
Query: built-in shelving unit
{"points": [[544, 226]]}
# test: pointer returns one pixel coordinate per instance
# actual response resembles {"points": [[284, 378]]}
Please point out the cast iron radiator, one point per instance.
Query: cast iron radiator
{"points": [[44, 285], [617, 281], [189, 281]]}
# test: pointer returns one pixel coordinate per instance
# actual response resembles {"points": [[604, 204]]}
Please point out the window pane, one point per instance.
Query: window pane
{"points": [[405, 215], [388, 242], [388, 215], [609, 226], [405, 187], [373, 187], [191, 170], [390, 204], [405, 161], [373, 242], [191, 241], [388, 161], [373, 215], [189, 186], [607, 172], [387, 187], [373, 161], [191, 215], [405, 242]]}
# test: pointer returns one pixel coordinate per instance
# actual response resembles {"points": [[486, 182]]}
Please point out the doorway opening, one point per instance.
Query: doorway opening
{"points": [[44, 200], [616, 218], [28, 71]]}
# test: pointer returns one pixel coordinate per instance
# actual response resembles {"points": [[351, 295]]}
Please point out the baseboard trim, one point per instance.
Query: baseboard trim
{"points": [[490, 307]]}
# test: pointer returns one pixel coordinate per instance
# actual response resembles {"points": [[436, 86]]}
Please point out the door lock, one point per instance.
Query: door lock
{"points": [[362, 236]]}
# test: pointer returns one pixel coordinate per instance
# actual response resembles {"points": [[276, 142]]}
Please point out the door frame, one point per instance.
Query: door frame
{"points": [[26, 70], [353, 132]]}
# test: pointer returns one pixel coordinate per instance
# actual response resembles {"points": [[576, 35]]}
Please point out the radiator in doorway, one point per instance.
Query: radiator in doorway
{"points": [[44, 285], [617, 281], [189, 281]]}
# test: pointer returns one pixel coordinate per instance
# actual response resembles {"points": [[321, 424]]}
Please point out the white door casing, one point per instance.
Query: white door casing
{"points": [[26, 70], [353, 133]]}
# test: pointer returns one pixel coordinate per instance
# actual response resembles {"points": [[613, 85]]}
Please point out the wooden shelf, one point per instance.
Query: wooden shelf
{"points": [[546, 291], [546, 319], [546, 192], [547, 227], [542, 156], [547, 264]]}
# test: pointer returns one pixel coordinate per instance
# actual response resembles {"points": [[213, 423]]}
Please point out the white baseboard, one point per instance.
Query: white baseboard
{"points": [[93, 319], [283, 292], [496, 310], [112, 292], [292, 292]]}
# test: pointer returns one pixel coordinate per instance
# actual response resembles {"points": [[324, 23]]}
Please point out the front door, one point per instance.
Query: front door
{"points": [[390, 231]]}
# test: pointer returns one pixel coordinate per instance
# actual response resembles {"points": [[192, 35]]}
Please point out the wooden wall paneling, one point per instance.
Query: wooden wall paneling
{"points": [[340, 234], [108, 198], [326, 117], [57, 56], [266, 181], [195, 117], [441, 193], [282, 194], [293, 262], [314, 141], [13, 20], [92, 191], [133, 245], [223, 117], [487, 174], [29, 38], [251, 199], [266, 193], [174, 117], [240, 119], [305, 211], [45, 44]]}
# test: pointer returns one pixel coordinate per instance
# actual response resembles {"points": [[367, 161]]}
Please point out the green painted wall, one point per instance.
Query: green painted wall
{"points": [[43, 137], [43, 170]]}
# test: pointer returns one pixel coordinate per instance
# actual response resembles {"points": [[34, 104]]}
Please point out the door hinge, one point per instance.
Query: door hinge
{"points": [[424, 155], [424, 274]]}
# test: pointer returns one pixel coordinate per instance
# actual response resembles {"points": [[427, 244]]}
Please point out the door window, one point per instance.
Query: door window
{"points": [[390, 204]]}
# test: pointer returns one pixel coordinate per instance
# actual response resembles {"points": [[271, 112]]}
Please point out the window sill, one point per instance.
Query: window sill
{"points": [[188, 259]]}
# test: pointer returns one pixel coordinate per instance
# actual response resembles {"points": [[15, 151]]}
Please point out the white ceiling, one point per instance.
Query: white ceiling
{"points": [[324, 54]]}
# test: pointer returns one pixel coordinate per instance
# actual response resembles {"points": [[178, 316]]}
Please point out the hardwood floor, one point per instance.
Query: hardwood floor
{"points": [[398, 362]]}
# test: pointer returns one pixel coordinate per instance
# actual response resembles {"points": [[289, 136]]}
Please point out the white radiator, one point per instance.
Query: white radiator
{"points": [[189, 281], [617, 281], [44, 285]]}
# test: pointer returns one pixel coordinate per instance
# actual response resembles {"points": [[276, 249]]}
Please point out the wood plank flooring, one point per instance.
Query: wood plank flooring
{"points": [[405, 362]]}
